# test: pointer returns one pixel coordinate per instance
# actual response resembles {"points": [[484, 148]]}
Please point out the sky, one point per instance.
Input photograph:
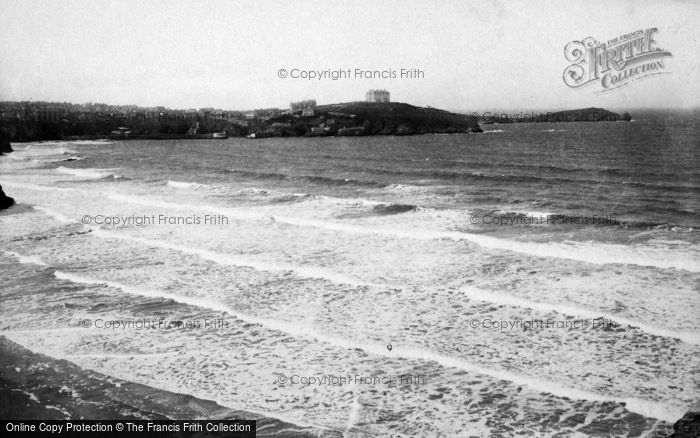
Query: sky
{"points": [[474, 55]]}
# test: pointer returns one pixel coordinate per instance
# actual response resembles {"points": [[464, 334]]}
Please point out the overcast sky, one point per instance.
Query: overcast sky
{"points": [[226, 54]]}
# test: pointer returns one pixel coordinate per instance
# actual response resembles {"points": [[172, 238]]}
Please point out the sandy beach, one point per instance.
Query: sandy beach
{"points": [[37, 387]]}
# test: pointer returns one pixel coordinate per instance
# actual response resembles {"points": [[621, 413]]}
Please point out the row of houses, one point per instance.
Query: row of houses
{"points": [[58, 112]]}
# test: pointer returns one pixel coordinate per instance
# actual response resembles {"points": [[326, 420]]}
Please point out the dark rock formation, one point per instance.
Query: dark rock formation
{"points": [[5, 201], [367, 118], [689, 425], [393, 208], [4, 142], [397, 118], [29, 130]]}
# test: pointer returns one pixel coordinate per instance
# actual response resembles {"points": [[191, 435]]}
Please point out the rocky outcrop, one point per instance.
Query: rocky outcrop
{"points": [[689, 425], [398, 118], [5, 201], [4, 142], [368, 118]]}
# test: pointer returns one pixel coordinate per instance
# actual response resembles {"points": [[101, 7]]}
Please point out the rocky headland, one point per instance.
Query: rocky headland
{"points": [[5, 146], [340, 119], [591, 114]]}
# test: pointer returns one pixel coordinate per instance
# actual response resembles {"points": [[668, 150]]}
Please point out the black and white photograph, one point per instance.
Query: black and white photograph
{"points": [[350, 219]]}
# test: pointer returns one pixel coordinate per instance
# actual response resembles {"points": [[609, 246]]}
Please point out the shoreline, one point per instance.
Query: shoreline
{"points": [[350, 119], [194, 190], [34, 386]]}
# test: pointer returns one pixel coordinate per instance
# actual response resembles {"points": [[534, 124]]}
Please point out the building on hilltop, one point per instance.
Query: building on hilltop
{"points": [[302, 105], [377, 96]]}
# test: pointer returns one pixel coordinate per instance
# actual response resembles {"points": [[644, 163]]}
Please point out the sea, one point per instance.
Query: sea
{"points": [[537, 279]]}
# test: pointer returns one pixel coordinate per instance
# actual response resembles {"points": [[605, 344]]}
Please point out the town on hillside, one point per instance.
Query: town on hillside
{"points": [[374, 115]]}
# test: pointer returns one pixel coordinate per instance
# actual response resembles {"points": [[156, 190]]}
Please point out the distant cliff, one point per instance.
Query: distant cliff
{"points": [[402, 118], [32, 130], [591, 114], [367, 118], [342, 119]]}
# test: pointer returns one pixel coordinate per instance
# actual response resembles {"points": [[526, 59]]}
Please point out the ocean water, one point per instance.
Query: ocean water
{"points": [[539, 279]]}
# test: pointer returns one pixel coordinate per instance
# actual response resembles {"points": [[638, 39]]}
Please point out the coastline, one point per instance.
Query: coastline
{"points": [[351, 119], [193, 185], [34, 386]]}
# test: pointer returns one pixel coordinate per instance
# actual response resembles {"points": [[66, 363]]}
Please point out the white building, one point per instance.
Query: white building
{"points": [[377, 96], [301, 105]]}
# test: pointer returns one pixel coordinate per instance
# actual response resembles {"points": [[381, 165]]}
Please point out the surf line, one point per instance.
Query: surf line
{"points": [[233, 260], [564, 250], [647, 408], [471, 292], [333, 277]]}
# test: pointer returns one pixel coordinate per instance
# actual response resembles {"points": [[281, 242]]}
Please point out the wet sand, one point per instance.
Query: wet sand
{"points": [[37, 387]]}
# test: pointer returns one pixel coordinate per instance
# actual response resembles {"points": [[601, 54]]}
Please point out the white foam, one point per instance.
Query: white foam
{"points": [[54, 215], [68, 142], [528, 213], [493, 131], [509, 300], [471, 292], [240, 191], [587, 252], [26, 260], [207, 304], [122, 356], [31, 395], [15, 156], [354, 415], [39, 154], [36, 187], [90, 142], [87, 173], [664, 411], [355, 202], [241, 261], [403, 188], [168, 386], [61, 410], [266, 193], [184, 185]]}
